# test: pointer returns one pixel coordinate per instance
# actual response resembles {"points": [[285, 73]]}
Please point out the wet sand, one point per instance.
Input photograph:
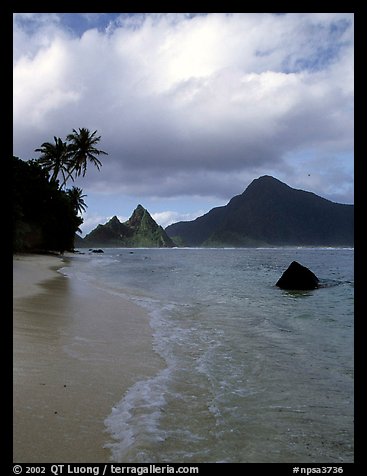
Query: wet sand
{"points": [[77, 349]]}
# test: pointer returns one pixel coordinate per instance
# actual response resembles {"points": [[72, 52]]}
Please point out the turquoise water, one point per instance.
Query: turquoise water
{"points": [[253, 373]]}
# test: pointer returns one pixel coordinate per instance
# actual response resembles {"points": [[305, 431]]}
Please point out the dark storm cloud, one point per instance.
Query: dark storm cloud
{"points": [[189, 104]]}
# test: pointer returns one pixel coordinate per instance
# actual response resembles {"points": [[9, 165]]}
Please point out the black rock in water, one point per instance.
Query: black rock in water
{"points": [[298, 277]]}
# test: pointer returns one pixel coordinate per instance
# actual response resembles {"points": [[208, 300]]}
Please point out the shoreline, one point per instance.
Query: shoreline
{"points": [[77, 350]]}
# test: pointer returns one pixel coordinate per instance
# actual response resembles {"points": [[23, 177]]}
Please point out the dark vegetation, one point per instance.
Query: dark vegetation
{"points": [[45, 213]]}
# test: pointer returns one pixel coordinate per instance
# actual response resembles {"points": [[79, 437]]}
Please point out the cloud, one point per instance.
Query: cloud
{"points": [[188, 104], [91, 221], [168, 217], [164, 218]]}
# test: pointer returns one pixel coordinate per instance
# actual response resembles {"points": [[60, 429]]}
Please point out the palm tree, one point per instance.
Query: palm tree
{"points": [[76, 198], [82, 148], [55, 158]]}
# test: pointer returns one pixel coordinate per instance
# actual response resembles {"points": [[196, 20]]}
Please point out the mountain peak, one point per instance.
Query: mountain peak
{"points": [[270, 212], [140, 215], [266, 178], [114, 220], [140, 230], [139, 209], [267, 181]]}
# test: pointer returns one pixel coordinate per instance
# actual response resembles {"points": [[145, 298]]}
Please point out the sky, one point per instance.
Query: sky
{"points": [[191, 108]]}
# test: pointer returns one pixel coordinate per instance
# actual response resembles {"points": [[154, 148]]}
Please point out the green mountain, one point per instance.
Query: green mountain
{"points": [[270, 213], [140, 230]]}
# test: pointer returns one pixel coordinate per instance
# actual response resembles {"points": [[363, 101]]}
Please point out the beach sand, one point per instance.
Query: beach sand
{"points": [[77, 349]]}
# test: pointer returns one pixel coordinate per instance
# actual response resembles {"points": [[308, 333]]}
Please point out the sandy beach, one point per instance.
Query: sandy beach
{"points": [[77, 349]]}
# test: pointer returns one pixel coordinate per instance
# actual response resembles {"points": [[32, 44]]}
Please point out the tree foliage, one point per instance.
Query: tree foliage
{"points": [[76, 196], [45, 216], [55, 159], [82, 148], [70, 158]]}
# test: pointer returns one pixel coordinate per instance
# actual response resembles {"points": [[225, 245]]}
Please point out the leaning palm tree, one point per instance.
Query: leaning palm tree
{"points": [[76, 196], [55, 159], [82, 147]]}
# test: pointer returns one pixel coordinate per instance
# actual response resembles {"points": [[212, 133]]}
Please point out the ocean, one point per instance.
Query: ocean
{"points": [[252, 373]]}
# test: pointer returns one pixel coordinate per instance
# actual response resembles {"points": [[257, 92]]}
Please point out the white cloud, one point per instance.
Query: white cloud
{"points": [[188, 104], [163, 218], [92, 220], [168, 217]]}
